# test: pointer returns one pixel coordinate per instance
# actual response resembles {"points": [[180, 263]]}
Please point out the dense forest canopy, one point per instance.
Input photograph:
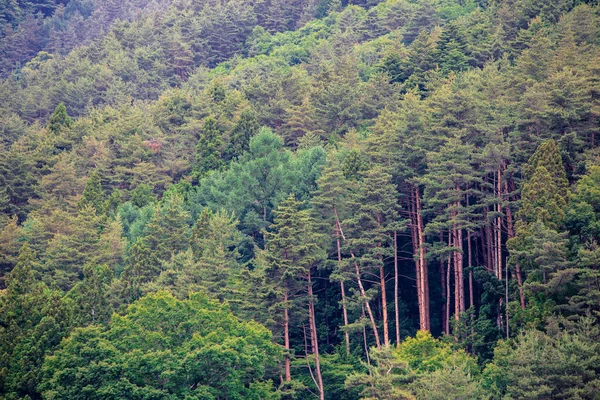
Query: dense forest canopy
{"points": [[297, 199]]}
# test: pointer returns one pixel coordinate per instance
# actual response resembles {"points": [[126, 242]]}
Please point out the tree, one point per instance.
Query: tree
{"points": [[168, 230], [209, 147], [93, 194], [60, 120], [33, 321], [540, 365], [371, 229], [291, 252], [239, 138], [164, 347], [17, 184]]}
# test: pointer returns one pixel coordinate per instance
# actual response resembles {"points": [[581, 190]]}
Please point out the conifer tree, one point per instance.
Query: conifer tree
{"points": [[371, 229], [93, 194], [208, 149], [59, 120], [239, 138], [290, 254]]}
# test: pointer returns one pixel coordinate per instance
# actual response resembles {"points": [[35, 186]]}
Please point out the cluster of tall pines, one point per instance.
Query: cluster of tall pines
{"points": [[298, 199]]}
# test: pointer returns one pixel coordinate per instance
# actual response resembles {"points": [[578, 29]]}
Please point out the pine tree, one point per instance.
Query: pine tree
{"points": [[371, 229], [142, 266], [291, 252], [59, 120], [209, 148], [239, 139], [168, 230], [17, 184], [93, 194], [548, 156]]}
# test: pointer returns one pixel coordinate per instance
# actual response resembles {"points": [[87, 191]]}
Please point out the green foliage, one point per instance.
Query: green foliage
{"points": [[536, 364], [419, 366], [164, 347], [209, 147], [250, 151], [59, 120]]}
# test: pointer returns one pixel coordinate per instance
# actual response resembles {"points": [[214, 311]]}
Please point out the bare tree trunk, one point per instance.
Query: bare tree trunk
{"points": [[491, 259], [457, 308], [367, 306], [470, 265], [424, 274], [445, 293], [386, 334], [415, 244], [360, 286], [396, 284], [511, 234], [365, 338], [286, 332], [448, 287], [499, 223], [313, 338], [343, 290]]}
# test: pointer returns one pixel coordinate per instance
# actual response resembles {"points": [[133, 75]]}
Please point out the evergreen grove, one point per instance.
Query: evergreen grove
{"points": [[286, 199]]}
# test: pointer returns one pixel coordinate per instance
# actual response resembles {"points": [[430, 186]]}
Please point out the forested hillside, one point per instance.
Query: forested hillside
{"points": [[297, 199]]}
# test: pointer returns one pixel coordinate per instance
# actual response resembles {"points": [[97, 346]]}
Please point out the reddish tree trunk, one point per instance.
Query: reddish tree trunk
{"points": [[314, 339], [286, 333]]}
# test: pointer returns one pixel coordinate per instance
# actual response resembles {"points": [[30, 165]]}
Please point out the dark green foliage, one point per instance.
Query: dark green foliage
{"points": [[209, 147], [239, 138], [17, 184], [554, 366]]}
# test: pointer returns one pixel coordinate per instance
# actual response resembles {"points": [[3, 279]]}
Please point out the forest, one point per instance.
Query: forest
{"points": [[299, 199]]}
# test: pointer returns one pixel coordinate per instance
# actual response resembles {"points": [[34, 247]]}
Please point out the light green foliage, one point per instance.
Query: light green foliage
{"points": [[59, 120], [163, 347], [419, 366], [93, 194]]}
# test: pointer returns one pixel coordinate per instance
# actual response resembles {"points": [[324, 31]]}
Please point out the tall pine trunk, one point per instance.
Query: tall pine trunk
{"points": [[286, 333], [418, 242], [343, 290], [511, 234], [396, 285], [424, 314], [314, 338], [361, 288]]}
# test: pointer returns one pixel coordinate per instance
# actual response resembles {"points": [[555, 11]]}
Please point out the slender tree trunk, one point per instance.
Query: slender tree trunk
{"points": [[313, 337], [443, 286], [415, 244], [367, 306], [489, 244], [365, 338], [286, 333], [418, 242], [361, 287], [511, 234], [470, 265], [423, 269], [499, 223], [386, 334], [343, 290], [456, 276], [448, 295], [396, 286]]}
